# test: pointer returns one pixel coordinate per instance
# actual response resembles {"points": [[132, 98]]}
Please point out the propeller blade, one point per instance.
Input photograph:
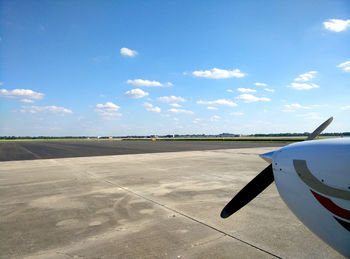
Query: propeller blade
{"points": [[249, 192], [320, 129], [261, 181]]}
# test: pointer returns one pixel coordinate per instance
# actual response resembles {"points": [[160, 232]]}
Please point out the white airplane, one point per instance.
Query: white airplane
{"points": [[313, 179]]}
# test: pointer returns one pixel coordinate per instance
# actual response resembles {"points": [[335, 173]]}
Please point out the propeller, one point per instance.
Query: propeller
{"points": [[260, 182]]}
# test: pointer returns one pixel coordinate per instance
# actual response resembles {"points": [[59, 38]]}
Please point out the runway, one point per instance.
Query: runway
{"points": [[155, 205], [27, 150]]}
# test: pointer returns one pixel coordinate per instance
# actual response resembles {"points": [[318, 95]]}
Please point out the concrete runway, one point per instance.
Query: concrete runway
{"points": [[160, 205], [25, 150]]}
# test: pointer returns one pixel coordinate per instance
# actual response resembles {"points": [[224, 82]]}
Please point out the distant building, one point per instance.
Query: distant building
{"points": [[228, 135]]}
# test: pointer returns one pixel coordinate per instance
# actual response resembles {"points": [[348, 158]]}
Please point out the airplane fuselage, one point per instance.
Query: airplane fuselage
{"points": [[313, 179]]}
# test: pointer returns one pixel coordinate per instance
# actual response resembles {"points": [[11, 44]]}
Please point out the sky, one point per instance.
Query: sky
{"points": [[115, 68]]}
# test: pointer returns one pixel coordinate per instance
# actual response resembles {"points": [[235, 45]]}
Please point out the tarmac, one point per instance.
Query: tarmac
{"points": [[28, 150], [154, 205]]}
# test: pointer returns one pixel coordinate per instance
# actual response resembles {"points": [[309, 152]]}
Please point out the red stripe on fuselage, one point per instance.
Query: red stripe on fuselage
{"points": [[331, 206]]}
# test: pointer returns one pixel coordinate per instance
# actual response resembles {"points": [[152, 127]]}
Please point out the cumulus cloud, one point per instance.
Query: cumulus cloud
{"points": [[108, 106], [45, 109], [310, 116], [212, 108], [215, 118], [174, 110], [345, 66], [128, 52], [229, 90], [336, 25], [21, 93], [151, 108], [246, 90], [108, 111], [249, 98], [300, 81], [135, 93], [148, 83], [346, 108], [303, 86], [217, 73], [260, 84], [176, 105], [269, 90], [306, 77], [168, 99], [222, 102], [26, 100], [236, 113], [196, 120], [293, 107]]}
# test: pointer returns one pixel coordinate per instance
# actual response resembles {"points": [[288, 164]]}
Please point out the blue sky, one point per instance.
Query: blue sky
{"points": [[173, 67]]}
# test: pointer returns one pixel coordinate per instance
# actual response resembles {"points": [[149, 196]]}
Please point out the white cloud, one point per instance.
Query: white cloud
{"points": [[196, 120], [336, 25], [136, 93], [215, 118], [148, 83], [223, 102], [1, 83], [246, 90], [46, 109], [269, 90], [346, 108], [211, 108], [151, 108], [249, 98], [260, 84], [168, 99], [295, 106], [217, 73], [302, 86], [128, 52], [345, 66], [306, 77], [108, 106], [310, 116], [236, 113], [290, 107], [176, 105], [108, 111], [174, 110], [26, 100], [229, 90], [21, 93]]}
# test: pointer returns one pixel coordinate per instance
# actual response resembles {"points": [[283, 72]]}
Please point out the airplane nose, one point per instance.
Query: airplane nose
{"points": [[267, 156]]}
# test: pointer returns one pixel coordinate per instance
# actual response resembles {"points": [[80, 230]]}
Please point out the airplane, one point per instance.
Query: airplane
{"points": [[313, 179]]}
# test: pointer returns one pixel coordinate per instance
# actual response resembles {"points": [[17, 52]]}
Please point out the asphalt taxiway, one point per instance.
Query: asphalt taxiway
{"points": [[155, 205], [28, 150]]}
